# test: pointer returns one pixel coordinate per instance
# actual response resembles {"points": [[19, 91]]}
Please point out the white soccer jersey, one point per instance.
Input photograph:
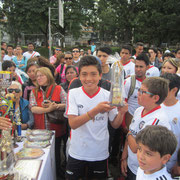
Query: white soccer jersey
{"points": [[90, 141], [9, 58], [129, 68], [28, 55], [152, 71], [156, 117], [133, 100], [159, 175], [173, 114]]}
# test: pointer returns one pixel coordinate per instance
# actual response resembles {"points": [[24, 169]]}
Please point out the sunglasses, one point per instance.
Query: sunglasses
{"points": [[15, 90], [68, 58], [144, 92], [75, 51], [58, 49]]}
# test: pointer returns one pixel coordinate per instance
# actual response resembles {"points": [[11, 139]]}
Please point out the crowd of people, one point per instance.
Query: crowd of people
{"points": [[142, 137]]}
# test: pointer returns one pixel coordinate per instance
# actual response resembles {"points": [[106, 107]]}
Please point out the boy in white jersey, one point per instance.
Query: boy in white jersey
{"points": [[141, 66], [128, 65], [152, 93], [156, 144], [171, 106], [88, 111]]}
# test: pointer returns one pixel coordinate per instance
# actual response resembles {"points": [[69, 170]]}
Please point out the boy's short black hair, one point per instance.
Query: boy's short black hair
{"points": [[10, 46], [106, 50], [127, 47], [158, 139], [174, 81], [168, 55], [154, 49], [157, 86], [143, 57], [30, 43], [7, 64], [89, 61]]}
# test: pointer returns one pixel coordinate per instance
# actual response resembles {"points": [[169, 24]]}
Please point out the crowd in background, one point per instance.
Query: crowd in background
{"points": [[36, 78]]}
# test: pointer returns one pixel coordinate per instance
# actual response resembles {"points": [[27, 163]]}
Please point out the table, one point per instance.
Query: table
{"points": [[48, 167]]}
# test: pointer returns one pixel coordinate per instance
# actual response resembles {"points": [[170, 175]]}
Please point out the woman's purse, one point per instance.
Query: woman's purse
{"points": [[56, 116]]}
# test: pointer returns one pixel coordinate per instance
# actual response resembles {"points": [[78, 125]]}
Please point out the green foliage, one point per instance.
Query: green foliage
{"points": [[150, 21]]}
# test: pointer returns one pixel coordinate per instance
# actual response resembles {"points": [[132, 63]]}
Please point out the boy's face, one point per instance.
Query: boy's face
{"points": [[103, 57], [150, 161], [89, 76], [145, 99], [125, 54]]}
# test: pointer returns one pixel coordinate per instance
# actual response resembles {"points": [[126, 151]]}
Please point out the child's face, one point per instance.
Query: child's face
{"points": [[150, 161], [89, 76], [144, 98]]}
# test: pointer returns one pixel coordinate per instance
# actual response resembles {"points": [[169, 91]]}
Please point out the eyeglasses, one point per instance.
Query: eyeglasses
{"points": [[68, 58], [75, 51], [145, 92], [15, 90], [58, 49]]}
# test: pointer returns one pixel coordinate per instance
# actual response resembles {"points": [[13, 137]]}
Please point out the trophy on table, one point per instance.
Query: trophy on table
{"points": [[117, 84], [7, 158]]}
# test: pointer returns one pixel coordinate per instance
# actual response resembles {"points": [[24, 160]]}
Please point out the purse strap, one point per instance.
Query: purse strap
{"points": [[52, 90]]}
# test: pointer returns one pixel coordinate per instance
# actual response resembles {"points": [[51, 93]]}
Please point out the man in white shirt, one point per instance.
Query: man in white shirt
{"points": [[139, 49], [31, 53], [126, 62], [152, 71], [10, 55]]}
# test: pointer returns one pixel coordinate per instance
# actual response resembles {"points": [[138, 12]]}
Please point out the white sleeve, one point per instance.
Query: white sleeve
{"points": [[112, 114], [72, 108], [156, 72]]}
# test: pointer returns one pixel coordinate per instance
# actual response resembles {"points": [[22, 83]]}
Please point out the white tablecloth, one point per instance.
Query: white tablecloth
{"points": [[48, 167]]}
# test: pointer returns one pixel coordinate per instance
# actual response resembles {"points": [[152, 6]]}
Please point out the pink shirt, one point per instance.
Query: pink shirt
{"points": [[63, 77]]}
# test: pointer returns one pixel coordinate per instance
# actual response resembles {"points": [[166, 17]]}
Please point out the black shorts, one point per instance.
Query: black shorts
{"points": [[92, 169]]}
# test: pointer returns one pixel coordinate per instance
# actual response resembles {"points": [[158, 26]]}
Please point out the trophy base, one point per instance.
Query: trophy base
{"points": [[15, 146]]}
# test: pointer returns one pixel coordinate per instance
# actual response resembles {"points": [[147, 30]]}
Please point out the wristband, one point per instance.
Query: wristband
{"points": [[89, 116], [129, 133]]}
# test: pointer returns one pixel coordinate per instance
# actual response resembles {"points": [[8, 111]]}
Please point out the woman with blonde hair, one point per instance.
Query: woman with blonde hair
{"points": [[40, 106]]}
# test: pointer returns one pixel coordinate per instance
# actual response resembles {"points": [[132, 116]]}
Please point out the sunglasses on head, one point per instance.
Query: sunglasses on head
{"points": [[68, 58], [16, 90], [58, 49], [75, 51]]}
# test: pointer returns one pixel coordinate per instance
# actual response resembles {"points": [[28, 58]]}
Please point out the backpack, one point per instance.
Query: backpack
{"points": [[132, 87]]}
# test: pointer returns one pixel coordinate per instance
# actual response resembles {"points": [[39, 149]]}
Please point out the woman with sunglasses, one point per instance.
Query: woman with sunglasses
{"points": [[61, 78], [40, 106], [21, 105]]}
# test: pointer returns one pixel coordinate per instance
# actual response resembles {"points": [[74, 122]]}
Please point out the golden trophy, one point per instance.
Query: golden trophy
{"points": [[117, 84]]}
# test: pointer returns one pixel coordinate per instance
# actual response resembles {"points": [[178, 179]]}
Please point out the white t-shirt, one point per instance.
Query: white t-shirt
{"points": [[90, 141], [173, 113], [139, 121], [7, 57], [133, 100], [31, 55], [129, 68], [159, 175], [152, 71]]}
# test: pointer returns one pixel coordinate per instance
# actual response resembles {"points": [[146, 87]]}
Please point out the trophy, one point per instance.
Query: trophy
{"points": [[117, 84], [7, 158]]}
